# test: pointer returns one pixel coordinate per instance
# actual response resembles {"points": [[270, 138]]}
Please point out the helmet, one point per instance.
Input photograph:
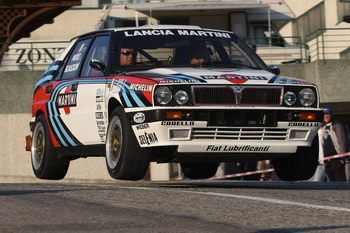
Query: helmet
{"points": [[327, 110]]}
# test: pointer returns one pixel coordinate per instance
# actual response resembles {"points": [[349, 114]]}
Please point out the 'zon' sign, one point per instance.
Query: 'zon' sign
{"points": [[37, 55]]}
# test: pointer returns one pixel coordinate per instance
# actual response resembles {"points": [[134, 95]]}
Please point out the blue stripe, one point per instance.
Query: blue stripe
{"points": [[54, 112], [134, 96]]}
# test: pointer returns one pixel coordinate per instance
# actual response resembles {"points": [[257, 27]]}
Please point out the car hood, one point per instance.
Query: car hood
{"points": [[216, 76]]}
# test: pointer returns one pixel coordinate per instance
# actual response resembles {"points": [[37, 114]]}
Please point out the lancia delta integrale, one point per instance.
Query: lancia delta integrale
{"points": [[170, 94]]}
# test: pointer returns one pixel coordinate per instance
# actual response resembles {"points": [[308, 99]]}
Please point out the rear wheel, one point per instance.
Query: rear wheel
{"points": [[300, 166], [199, 170], [125, 159], [45, 161]]}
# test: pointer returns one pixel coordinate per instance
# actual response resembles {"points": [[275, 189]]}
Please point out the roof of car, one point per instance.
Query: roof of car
{"points": [[150, 26]]}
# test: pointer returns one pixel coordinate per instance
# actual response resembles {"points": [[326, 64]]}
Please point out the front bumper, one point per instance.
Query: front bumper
{"points": [[227, 130]]}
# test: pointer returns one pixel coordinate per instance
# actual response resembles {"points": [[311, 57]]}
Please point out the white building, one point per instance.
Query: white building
{"points": [[294, 25]]}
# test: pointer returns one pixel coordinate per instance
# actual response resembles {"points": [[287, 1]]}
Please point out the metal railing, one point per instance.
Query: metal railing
{"points": [[31, 55], [277, 50], [329, 43]]}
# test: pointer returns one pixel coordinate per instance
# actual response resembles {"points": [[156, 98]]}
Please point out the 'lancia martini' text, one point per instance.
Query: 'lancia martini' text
{"points": [[177, 32]]}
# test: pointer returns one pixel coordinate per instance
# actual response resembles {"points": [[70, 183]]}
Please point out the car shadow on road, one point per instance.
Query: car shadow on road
{"points": [[297, 185], [306, 229]]}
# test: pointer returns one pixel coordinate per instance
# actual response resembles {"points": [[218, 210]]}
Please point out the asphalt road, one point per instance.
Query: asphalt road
{"points": [[176, 206]]}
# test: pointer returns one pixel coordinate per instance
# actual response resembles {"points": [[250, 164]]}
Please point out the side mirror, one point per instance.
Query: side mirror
{"points": [[275, 69], [98, 65]]}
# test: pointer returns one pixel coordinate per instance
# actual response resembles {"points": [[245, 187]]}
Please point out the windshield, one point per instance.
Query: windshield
{"points": [[146, 49]]}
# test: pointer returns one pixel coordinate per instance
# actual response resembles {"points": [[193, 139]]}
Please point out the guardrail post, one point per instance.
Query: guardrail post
{"points": [[317, 49], [323, 52], [301, 50]]}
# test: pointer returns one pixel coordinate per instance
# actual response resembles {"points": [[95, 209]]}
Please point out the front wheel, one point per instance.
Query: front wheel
{"points": [[44, 158], [299, 166], [125, 159], [199, 170]]}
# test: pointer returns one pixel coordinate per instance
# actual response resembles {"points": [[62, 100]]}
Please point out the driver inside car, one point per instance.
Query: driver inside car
{"points": [[199, 54], [127, 56]]}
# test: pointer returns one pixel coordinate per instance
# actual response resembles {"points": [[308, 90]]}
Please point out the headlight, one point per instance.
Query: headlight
{"points": [[289, 98], [163, 95], [307, 97], [181, 97]]}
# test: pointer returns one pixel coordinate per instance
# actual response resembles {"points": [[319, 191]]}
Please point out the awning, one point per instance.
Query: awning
{"points": [[187, 6], [279, 10]]}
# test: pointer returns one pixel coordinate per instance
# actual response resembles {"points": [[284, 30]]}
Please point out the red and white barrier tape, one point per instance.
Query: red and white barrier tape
{"points": [[335, 156], [271, 169]]}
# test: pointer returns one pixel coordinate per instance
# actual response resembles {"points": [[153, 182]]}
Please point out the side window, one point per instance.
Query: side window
{"points": [[235, 54], [75, 59], [98, 50]]}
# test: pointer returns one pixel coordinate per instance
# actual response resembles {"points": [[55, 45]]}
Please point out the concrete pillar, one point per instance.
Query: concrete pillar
{"points": [[331, 13], [159, 172]]}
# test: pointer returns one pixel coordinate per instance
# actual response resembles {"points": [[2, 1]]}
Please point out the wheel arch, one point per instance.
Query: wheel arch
{"points": [[39, 112], [112, 104]]}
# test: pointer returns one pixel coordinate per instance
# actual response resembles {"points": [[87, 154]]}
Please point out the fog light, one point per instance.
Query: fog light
{"points": [[173, 115], [307, 116], [179, 134], [298, 134]]}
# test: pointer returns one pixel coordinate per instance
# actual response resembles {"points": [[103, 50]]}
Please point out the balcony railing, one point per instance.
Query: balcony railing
{"points": [[329, 43], [279, 50]]}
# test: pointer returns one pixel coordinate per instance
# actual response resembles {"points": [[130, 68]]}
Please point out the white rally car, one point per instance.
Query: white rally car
{"points": [[167, 94]]}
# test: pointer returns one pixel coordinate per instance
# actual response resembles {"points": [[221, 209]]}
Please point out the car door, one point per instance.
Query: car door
{"points": [[81, 98]]}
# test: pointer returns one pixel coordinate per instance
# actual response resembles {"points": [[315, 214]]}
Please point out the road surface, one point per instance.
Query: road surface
{"points": [[175, 206]]}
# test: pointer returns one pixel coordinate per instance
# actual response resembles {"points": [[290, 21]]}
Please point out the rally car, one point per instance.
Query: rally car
{"points": [[167, 94]]}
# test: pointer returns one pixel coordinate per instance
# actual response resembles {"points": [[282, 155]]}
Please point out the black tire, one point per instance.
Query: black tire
{"points": [[125, 159], [300, 166], [199, 170], [45, 161]]}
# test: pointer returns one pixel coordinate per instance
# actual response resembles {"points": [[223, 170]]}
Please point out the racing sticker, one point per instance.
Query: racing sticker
{"points": [[129, 96], [99, 96], [139, 117], [172, 78], [99, 115], [246, 148], [67, 100], [281, 80], [148, 138], [177, 123], [142, 126], [304, 124], [141, 87], [234, 78], [182, 32]]}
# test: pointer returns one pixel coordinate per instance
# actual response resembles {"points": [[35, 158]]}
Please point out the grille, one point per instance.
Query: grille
{"points": [[253, 134], [220, 95], [261, 96], [237, 95]]}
